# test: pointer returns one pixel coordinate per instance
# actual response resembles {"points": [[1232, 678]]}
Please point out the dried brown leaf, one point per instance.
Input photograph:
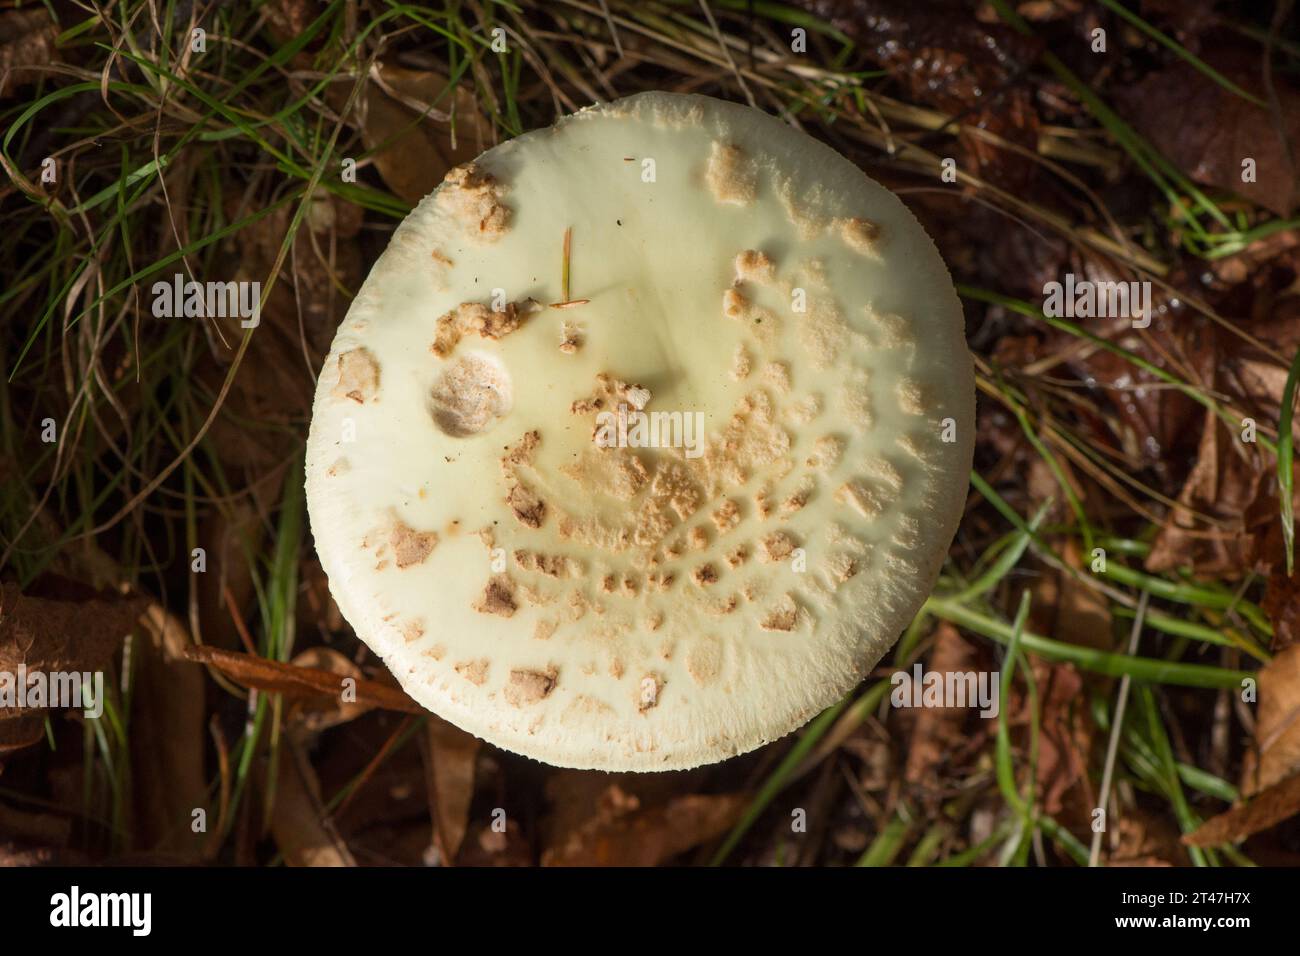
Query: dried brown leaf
{"points": [[26, 41], [320, 713], [1277, 728], [1270, 806], [298, 682], [167, 738], [1226, 482], [937, 731], [304, 834], [450, 758], [414, 154], [626, 835], [59, 625]]}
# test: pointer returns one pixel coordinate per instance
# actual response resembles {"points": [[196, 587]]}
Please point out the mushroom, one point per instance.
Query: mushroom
{"points": [[684, 532]]}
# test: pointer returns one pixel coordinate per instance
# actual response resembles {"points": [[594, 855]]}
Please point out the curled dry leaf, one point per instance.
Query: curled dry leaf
{"points": [[414, 153], [58, 626], [1270, 806], [299, 682], [320, 713], [1226, 483], [1277, 728]]}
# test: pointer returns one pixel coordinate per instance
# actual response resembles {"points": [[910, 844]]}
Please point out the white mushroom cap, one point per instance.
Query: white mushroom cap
{"points": [[643, 608]]}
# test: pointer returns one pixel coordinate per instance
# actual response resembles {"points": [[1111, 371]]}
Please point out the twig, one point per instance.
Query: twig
{"points": [[1112, 746]]}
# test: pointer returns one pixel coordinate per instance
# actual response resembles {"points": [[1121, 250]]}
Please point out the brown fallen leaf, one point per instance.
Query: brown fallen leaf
{"points": [[1212, 152], [298, 682], [1277, 727], [169, 779], [937, 731], [624, 834], [1226, 481], [1065, 738], [1081, 615], [1282, 605], [302, 830], [450, 756], [58, 626], [43, 829], [26, 41], [1270, 806], [414, 154], [1137, 837], [320, 713]]}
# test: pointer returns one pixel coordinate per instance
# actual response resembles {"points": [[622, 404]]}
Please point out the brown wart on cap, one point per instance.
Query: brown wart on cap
{"points": [[358, 376], [473, 197], [478, 317]]}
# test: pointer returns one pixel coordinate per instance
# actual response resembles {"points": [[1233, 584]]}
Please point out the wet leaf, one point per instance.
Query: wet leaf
{"points": [[1212, 152]]}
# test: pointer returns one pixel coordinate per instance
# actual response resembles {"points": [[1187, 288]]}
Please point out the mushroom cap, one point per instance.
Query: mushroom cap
{"points": [[534, 571]]}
